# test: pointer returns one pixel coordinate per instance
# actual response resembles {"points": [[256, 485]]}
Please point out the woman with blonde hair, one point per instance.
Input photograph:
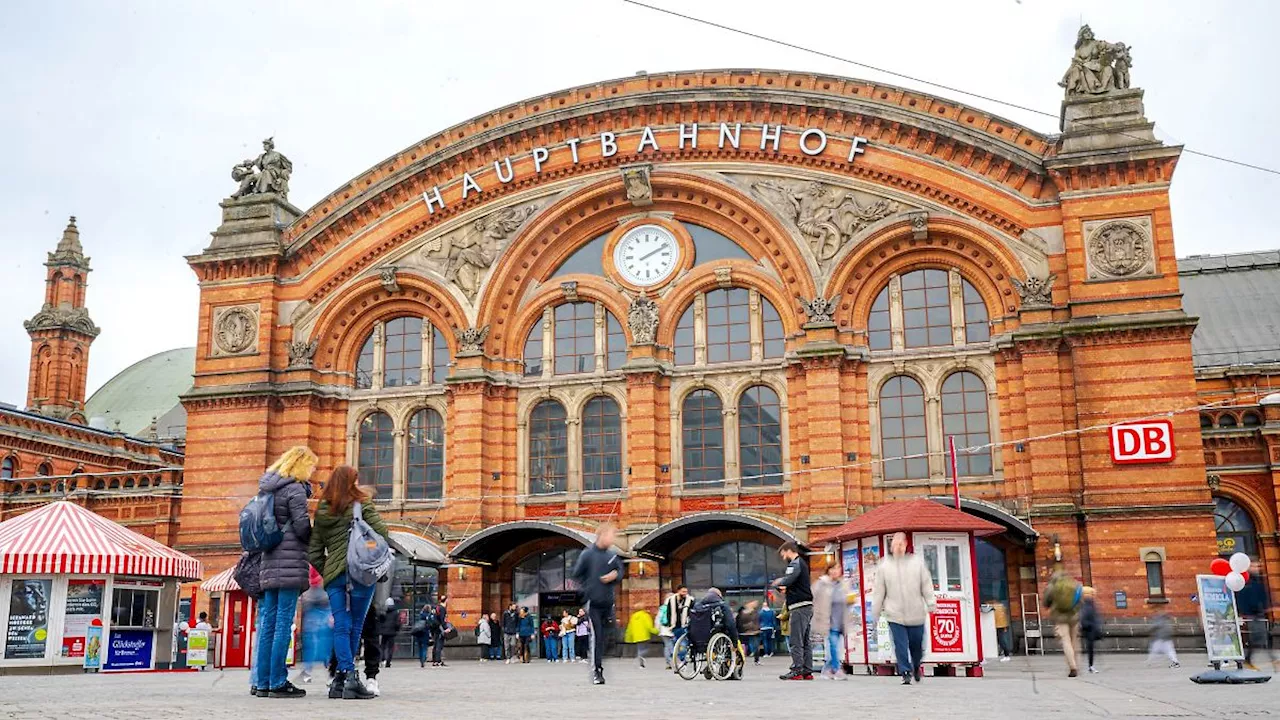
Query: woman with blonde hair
{"points": [[285, 571], [348, 599]]}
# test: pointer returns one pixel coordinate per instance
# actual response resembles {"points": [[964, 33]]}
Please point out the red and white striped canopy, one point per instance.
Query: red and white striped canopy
{"points": [[63, 537], [222, 582]]}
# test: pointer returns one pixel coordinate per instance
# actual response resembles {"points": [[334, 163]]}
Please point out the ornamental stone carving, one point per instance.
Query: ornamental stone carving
{"points": [[1097, 67], [471, 340], [635, 180], [387, 276], [267, 173], [570, 290], [302, 353], [642, 319], [1119, 249], [819, 310], [464, 256], [1035, 291], [827, 217], [53, 317], [235, 330]]}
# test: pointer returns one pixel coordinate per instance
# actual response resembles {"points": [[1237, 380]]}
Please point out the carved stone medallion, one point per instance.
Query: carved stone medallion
{"points": [[235, 330], [1119, 249]]}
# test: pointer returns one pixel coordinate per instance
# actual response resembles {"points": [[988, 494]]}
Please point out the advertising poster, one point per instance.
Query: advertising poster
{"points": [[129, 650], [1219, 619], [853, 641], [197, 648], [83, 607], [946, 631], [93, 647], [28, 633], [871, 559]]}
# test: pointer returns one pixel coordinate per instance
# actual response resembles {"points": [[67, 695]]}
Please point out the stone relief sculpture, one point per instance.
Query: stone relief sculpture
{"points": [[235, 330], [271, 176], [387, 276], [819, 309], [1119, 249], [471, 340], [635, 180], [827, 217], [1036, 291], [464, 256], [302, 353], [1097, 67], [642, 319]]}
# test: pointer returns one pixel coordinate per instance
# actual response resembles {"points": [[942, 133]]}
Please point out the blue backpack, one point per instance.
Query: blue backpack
{"points": [[259, 530]]}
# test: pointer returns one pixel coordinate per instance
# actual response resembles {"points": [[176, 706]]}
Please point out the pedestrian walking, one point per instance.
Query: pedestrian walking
{"points": [[831, 597], [1062, 596], [526, 631], [903, 595], [1251, 603], [284, 575], [799, 599], [550, 632], [438, 630], [371, 645], [673, 620], [1090, 624], [748, 624], [388, 629], [640, 630], [1162, 639], [484, 638], [317, 627], [511, 633], [768, 627], [568, 641], [1000, 613], [349, 600], [582, 635], [598, 572]]}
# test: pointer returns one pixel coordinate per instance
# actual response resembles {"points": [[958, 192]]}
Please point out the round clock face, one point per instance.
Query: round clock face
{"points": [[647, 255]]}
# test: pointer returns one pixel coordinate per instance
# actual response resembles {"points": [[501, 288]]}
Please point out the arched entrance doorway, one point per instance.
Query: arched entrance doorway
{"points": [[542, 582]]}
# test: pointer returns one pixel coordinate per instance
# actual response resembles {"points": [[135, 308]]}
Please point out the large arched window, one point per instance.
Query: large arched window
{"points": [[377, 454], [548, 448], [1235, 528], [729, 319], [575, 332], [403, 361], [741, 570], [702, 439], [921, 314], [533, 352], [964, 417], [760, 437], [8, 468], [684, 341], [601, 444], [425, 476], [904, 443]]}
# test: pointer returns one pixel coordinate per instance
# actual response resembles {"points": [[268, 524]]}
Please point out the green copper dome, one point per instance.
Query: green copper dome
{"points": [[145, 390]]}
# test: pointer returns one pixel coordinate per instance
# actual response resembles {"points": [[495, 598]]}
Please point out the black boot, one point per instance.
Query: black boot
{"points": [[353, 689], [335, 686]]}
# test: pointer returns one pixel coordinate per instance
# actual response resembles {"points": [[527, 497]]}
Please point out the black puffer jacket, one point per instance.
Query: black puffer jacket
{"points": [[285, 566]]}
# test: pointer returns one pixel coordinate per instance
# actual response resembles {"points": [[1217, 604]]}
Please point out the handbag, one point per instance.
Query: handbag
{"points": [[450, 632]]}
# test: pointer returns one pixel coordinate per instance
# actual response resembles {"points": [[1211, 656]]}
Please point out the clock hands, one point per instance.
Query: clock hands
{"points": [[655, 252]]}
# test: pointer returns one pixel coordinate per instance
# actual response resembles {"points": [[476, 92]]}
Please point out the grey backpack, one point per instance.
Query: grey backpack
{"points": [[368, 556]]}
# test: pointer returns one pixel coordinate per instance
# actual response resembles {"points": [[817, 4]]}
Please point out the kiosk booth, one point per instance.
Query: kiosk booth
{"points": [[234, 616], [943, 537], [78, 591]]}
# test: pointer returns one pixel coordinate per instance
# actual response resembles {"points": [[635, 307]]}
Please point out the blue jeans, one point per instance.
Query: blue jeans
{"points": [[835, 650], [275, 628], [421, 641], [566, 648], [766, 636], [551, 647], [349, 609], [908, 646], [749, 642]]}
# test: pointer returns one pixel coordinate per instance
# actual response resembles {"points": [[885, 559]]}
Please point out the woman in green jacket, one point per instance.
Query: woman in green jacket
{"points": [[328, 554]]}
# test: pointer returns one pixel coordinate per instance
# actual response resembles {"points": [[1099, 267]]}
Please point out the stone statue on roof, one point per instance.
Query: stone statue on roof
{"points": [[267, 173], [1097, 67]]}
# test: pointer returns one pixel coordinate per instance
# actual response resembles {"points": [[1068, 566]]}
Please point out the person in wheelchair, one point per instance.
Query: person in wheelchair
{"points": [[709, 616]]}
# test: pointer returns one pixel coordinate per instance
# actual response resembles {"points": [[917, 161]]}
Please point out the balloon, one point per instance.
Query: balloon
{"points": [[1245, 575], [1219, 566], [1240, 562], [1235, 581]]}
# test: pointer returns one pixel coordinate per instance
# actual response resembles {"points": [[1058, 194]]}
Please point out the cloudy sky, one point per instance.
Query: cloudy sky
{"points": [[129, 115]]}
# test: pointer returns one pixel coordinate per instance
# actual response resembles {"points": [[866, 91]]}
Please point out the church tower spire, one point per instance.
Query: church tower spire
{"points": [[61, 333]]}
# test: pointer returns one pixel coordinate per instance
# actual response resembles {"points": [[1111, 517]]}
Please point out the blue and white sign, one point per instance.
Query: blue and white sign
{"points": [[129, 650]]}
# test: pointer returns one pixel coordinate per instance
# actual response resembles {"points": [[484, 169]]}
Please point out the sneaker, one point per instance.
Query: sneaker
{"points": [[1175, 664], [640, 660], [1093, 670], [372, 685], [906, 678], [839, 675], [826, 674], [807, 676], [441, 664], [598, 678], [793, 675], [1005, 658], [253, 691], [263, 692], [305, 677], [287, 691], [919, 674], [353, 689]]}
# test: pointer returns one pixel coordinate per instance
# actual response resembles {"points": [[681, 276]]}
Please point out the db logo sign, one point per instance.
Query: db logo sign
{"points": [[1150, 441]]}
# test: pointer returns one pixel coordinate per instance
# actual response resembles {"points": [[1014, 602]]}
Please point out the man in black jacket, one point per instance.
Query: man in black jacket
{"points": [[510, 632], [795, 582], [598, 572]]}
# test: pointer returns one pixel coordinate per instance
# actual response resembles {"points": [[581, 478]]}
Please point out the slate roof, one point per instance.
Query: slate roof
{"points": [[1237, 298]]}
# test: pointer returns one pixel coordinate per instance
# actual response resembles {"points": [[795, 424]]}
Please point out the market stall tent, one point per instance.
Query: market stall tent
{"points": [[73, 582], [234, 620], [943, 537]]}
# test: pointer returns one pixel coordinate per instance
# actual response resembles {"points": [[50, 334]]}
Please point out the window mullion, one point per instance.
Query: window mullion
{"points": [[379, 357], [548, 342], [425, 374], [895, 314], [601, 337], [756, 324], [399, 463], [956, 295], [700, 329]]}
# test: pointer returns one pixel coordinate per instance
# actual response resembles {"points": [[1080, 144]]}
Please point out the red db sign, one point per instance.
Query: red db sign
{"points": [[1150, 441]]}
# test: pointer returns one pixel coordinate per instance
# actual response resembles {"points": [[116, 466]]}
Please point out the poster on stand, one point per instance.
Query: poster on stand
{"points": [[851, 557], [83, 607], [1219, 619], [27, 635], [93, 647], [197, 648], [876, 636], [129, 650]]}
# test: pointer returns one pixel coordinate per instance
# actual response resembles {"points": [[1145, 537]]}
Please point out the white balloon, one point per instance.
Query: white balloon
{"points": [[1240, 562], [1235, 581]]}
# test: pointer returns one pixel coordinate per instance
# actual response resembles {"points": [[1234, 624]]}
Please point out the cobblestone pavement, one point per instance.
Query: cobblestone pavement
{"points": [[1023, 688]]}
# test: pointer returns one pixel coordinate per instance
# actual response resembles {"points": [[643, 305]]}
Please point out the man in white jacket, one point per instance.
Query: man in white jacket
{"points": [[904, 596]]}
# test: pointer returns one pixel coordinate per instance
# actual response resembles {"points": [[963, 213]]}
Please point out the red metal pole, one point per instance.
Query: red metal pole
{"points": [[955, 474]]}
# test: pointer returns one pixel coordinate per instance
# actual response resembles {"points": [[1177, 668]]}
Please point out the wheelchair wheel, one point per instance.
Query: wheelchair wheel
{"points": [[684, 659], [722, 658]]}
